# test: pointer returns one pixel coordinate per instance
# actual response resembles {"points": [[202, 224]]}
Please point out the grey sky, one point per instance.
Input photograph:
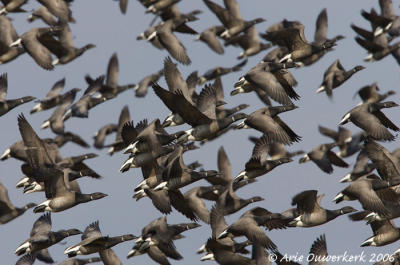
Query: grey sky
{"points": [[101, 23]]}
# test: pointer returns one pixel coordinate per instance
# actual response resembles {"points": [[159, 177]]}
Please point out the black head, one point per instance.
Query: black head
{"points": [[256, 199], [128, 237], [284, 160], [75, 90], [28, 98], [258, 20], [390, 104], [243, 106], [97, 195], [358, 68], [339, 37], [347, 209], [73, 232], [30, 205]]}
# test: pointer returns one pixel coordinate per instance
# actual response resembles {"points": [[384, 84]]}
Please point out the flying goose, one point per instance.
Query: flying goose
{"points": [[369, 191], [7, 105], [59, 9], [51, 99], [294, 40], [36, 43], [361, 167], [335, 76], [320, 37], [142, 87], [209, 37], [159, 233], [387, 11], [370, 94], [44, 14], [385, 231], [100, 135], [8, 35], [42, 237], [267, 121], [66, 50], [158, 6], [119, 144], [386, 163], [273, 79], [111, 88], [317, 256], [93, 241], [224, 254], [170, 42], [220, 71], [277, 150], [371, 119], [233, 23], [8, 211], [86, 102], [377, 51], [249, 223], [153, 252], [59, 196], [349, 144], [56, 120], [310, 213], [324, 158], [258, 164], [12, 6], [203, 126], [228, 202], [380, 23]]}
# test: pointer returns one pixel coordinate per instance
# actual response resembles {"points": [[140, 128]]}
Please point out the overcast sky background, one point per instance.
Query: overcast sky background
{"points": [[101, 23]]}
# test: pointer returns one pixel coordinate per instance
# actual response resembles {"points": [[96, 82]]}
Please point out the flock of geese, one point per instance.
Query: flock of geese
{"points": [[198, 101]]}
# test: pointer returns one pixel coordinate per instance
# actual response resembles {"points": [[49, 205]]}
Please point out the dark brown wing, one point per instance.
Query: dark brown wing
{"points": [[36, 150], [293, 136], [123, 5], [112, 71], [3, 86], [224, 166], [329, 133], [321, 30], [319, 251], [178, 202], [128, 133], [160, 200], [174, 79], [337, 161], [56, 89], [385, 120], [178, 104], [223, 15], [207, 101], [92, 231], [42, 224], [369, 45], [305, 201], [5, 204]]}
